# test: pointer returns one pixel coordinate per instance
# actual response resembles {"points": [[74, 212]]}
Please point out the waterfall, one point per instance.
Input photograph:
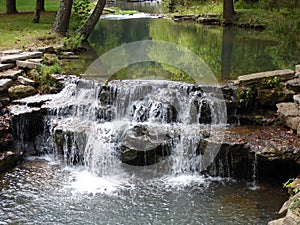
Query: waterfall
{"points": [[105, 127]]}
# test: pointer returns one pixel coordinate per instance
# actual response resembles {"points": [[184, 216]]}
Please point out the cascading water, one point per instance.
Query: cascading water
{"points": [[136, 122], [126, 152]]}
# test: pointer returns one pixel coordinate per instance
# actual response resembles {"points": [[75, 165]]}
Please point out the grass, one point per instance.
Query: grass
{"points": [[17, 31], [29, 5]]}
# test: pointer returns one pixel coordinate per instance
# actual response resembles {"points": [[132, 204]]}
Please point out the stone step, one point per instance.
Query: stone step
{"points": [[5, 84], [6, 66], [11, 52], [294, 85], [254, 78], [28, 64], [11, 74], [22, 56], [26, 81]]}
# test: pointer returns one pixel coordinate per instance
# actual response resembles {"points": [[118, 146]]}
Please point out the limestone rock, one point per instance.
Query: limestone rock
{"points": [[270, 97], [28, 64], [5, 84], [142, 145], [294, 85], [11, 52], [11, 74], [8, 160], [258, 77], [22, 56], [6, 66], [26, 81], [297, 68], [289, 114], [21, 91]]}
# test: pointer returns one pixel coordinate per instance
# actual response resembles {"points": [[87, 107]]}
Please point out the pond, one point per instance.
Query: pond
{"points": [[228, 51]]}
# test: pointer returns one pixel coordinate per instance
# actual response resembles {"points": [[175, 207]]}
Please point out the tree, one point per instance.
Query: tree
{"points": [[91, 22], [37, 12], [228, 11], [62, 20], [227, 47], [11, 7]]}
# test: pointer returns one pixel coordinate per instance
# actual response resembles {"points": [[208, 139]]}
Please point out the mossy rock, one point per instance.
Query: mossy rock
{"points": [[21, 91]]}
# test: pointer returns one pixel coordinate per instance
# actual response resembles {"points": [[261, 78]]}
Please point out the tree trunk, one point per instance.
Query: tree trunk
{"points": [[227, 47], [11, 7], [62, 20], [42, 6], [37, 11], [228, 11], [91, 22]]}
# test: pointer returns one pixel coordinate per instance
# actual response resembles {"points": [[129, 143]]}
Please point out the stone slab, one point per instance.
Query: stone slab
{"points": [[6, 66], [294, 85], [25, 81], [5, 84], [11, 74], [258, 77], [28, 64], [11, 52], [22, 56], [289, 114]]}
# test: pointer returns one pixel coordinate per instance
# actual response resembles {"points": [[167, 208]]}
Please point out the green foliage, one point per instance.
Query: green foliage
{"points": [[244, 96], [73, 41], [241, 4], [273, 82], [81, 11], [295, 205], [50, 59], [294, 184]]}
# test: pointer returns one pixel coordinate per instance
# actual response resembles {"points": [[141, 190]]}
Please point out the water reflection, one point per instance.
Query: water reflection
{"points": [[229, 52]]}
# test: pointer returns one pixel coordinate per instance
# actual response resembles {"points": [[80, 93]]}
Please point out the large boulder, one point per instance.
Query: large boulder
{"points": [[144, 145], [289, 114]]}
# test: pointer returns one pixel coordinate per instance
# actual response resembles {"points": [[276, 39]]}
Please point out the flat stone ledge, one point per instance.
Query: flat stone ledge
{"points": [[28, 64], [6, 66], [11, 52], [297, 68], [11, 74], [5, 84], [253, 78], [26, 81], [22, 56]]}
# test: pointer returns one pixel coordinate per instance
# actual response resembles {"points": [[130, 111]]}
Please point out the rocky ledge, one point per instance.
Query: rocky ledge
{"points": [[17, 81]]}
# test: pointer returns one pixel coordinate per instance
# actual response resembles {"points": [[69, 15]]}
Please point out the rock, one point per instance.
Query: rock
{"points": [[34, 101], [35, 60], [292, 216], [21, 91], [5, 84], [289, 114], [26, 81], [270, 97], [8, 160], [45, 49], [143, 145], [11, 52], [28, 64], [297, 98], [258, 77], [6, 66], [11, 74], [298, 130], [189, 17], [22, 56], [294, 85]]}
